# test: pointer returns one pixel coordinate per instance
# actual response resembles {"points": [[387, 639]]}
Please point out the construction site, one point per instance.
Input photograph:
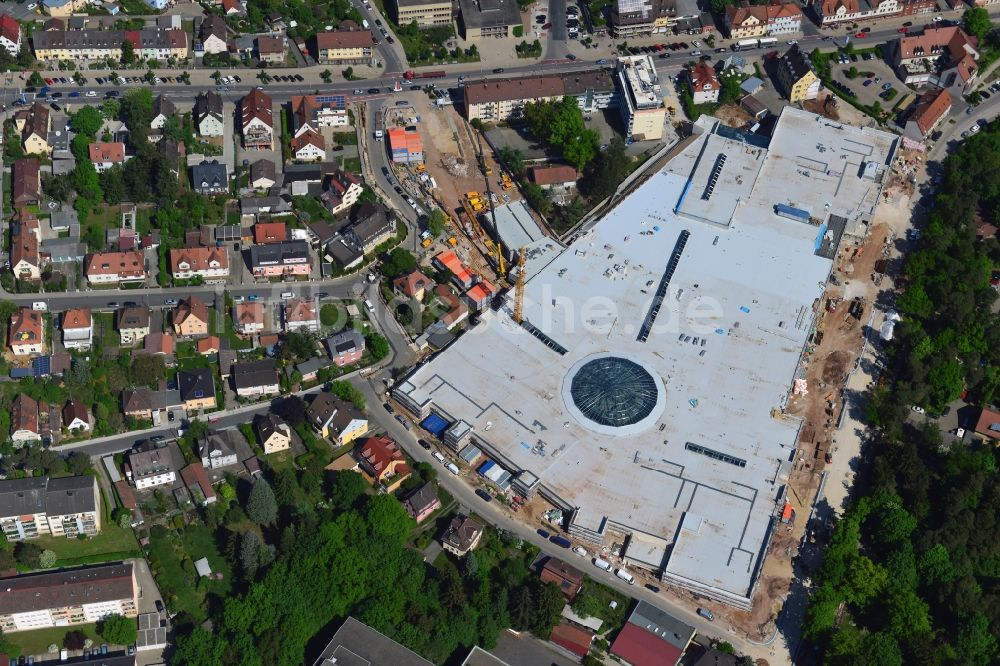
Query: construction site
{"points": [[660, 377]]}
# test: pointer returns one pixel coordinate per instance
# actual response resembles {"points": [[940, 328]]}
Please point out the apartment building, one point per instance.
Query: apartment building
{"points": [[495, 100], [427, 13], [159, 44], [42, 506], [632, 18], [641, 107], [932, 107], [208, 116], [76, 45], [209, 263], [253, 379], [945, 58], [190, 318], [480, 19], [109, 268], [344, 47], [257, 120], [278, 259], [68, 597], [313, 112], [343, 191], [197, 388], [797, 77], [10, 34], [705, 86], [746, 21], [106, 154], [27, 182], [837, 11], [149, 466]]}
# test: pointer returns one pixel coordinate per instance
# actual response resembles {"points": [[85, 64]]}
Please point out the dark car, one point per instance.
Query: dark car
{"points": [[707, 614], [543, 534], [399, 190], [560, 541], [498, 70], [414, 88], [385, 171], [322, 294], [159, 606], [373, 91], [485, 495], [652, 588], [424, 443], [388, 408]]}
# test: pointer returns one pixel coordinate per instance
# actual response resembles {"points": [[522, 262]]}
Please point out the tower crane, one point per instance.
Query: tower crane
{"points": [[519, 288]]}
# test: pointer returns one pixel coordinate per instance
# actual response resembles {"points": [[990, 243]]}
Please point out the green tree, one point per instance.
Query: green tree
{"points": [[513, 159], [118, 630], [330, 315], [548, 610], [977, 22], [326, 75], [250, 546], [882, 649], [28, 554], [607, 171], [47, 559], [976, 646], [387, 518], [36, 80], [397, 262], [435, 222], [87, 120], [128, 53], [347, 488], [377, 346], [261, 506], [227, 492], [345, 390], [865, 580]]}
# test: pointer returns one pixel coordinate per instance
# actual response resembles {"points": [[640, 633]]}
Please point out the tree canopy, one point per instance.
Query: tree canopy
{"points": [[561, 125]]}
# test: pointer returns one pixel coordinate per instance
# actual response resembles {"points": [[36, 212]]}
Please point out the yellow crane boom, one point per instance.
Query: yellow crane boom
{"points": [[519, 288]]}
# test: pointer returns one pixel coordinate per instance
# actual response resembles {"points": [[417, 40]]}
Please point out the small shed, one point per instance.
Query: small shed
{"points": [[203, 568]]}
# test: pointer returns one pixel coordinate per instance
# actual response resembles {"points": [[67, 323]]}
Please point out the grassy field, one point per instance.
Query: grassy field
{"points": [[172, 557], [112, 543], [37, 642]]}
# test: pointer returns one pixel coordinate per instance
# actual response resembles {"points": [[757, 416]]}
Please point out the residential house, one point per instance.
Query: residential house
{"points": [[462, 536], [932, 107], [572, 638], [26, 332], [257, 122], [153, 43], [318, 111], [208, 118], [41, 506], [210, 178], [412, 285], [310, 368], [190, 318], [346, 347], [777, 18], [422, 502], [988, 424], [336, 419], [24, 427], [268, 233], [344, 47], [163, 110], [705, 86], [75, 416], [209, 345], [288, 258], [133, 325], [214, 35], [256, 378], [249, 317], [25, 257], [342, 192], [231, 7], [208, 263], [309, 146], [568, 578], [68, 597], [148, 466], [651, 636], [382, 460], [837, 11], [138, 403], [26, 185], [197, 389], [271, 50], [77, 329], [263, 174], [301, 313], [551, 176], [198, 484], [456, 309], [104, 155], [943, 57], [34, 124], [10, 34], [217, 451], [110, 268], [372, 226], [273, 434], [160, 343], [460, 274]]}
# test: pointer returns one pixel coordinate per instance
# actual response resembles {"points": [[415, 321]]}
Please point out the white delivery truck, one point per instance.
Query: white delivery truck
{"points": [[625, 576], [602, 564]]}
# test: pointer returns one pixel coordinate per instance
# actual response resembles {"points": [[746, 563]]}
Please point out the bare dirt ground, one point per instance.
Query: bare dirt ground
{"points": [[826, 105], [733, 115]]}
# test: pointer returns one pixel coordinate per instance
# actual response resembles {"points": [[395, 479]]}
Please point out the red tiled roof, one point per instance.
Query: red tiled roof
{"points": [[269, 232], [123, 264], [412, 282], [250, 313], [191, 307], [208, 345], [988, 418], [309, 137], [76, 318], [554, 174], [380, 452], [343, 39], [643, 648], [199, 258], [9, 28], [195, 475], [25, 326], [703, 77], [572, 638], [103, 151], [257, 105], [931, 106]]}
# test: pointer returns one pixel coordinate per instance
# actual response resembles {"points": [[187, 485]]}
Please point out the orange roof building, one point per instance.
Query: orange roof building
{"points": [[381, 458], [405, 146], [449, 261], [265, 233]]}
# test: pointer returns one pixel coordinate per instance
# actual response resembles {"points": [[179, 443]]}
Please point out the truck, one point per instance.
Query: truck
{"points": [[410, 75], [746, 44]]}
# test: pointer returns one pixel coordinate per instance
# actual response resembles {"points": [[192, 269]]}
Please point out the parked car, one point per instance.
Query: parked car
{"points": [[159, 606], [373, 91], [424, 444], [707, 614], [652, 588], [543, 534], [886, 86], [867, 83], [560, 541], [485, 495], [388, 408]]}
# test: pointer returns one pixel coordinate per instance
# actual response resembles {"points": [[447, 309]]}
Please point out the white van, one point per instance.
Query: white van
{"points": [[453, 468], [625, 576], [368, 304], [602, 564], [440, 458], [364, 22], [285, 295], [40, 306]]}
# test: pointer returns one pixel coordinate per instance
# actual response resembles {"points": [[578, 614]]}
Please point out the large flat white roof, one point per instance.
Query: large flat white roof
{"points": [[724, 345]]}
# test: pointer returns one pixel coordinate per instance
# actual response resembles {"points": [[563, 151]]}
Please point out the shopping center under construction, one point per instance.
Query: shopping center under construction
{"points": [[643, 392]]}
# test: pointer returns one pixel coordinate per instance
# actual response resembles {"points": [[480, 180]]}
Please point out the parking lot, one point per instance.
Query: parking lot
{"points": [[875, 81]]}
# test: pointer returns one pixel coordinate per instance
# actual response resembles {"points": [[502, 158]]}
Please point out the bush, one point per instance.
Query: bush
{"points": [[117, 630], [47, 559]]}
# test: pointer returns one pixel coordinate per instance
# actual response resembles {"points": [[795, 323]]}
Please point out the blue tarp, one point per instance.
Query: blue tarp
{"points": [[485, 467], [434, 424]]}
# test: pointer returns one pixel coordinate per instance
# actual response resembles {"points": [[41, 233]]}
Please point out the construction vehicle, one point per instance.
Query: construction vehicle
{"points": [[505, 182], [420, 168], [410, 75], [452, 241]]}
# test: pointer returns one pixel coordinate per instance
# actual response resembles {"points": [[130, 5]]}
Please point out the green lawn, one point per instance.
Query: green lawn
{"points": [[113, 543], [172, 557], [188, 357], [351, 164], [104, 325], [229, 333], [37, 642]]}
